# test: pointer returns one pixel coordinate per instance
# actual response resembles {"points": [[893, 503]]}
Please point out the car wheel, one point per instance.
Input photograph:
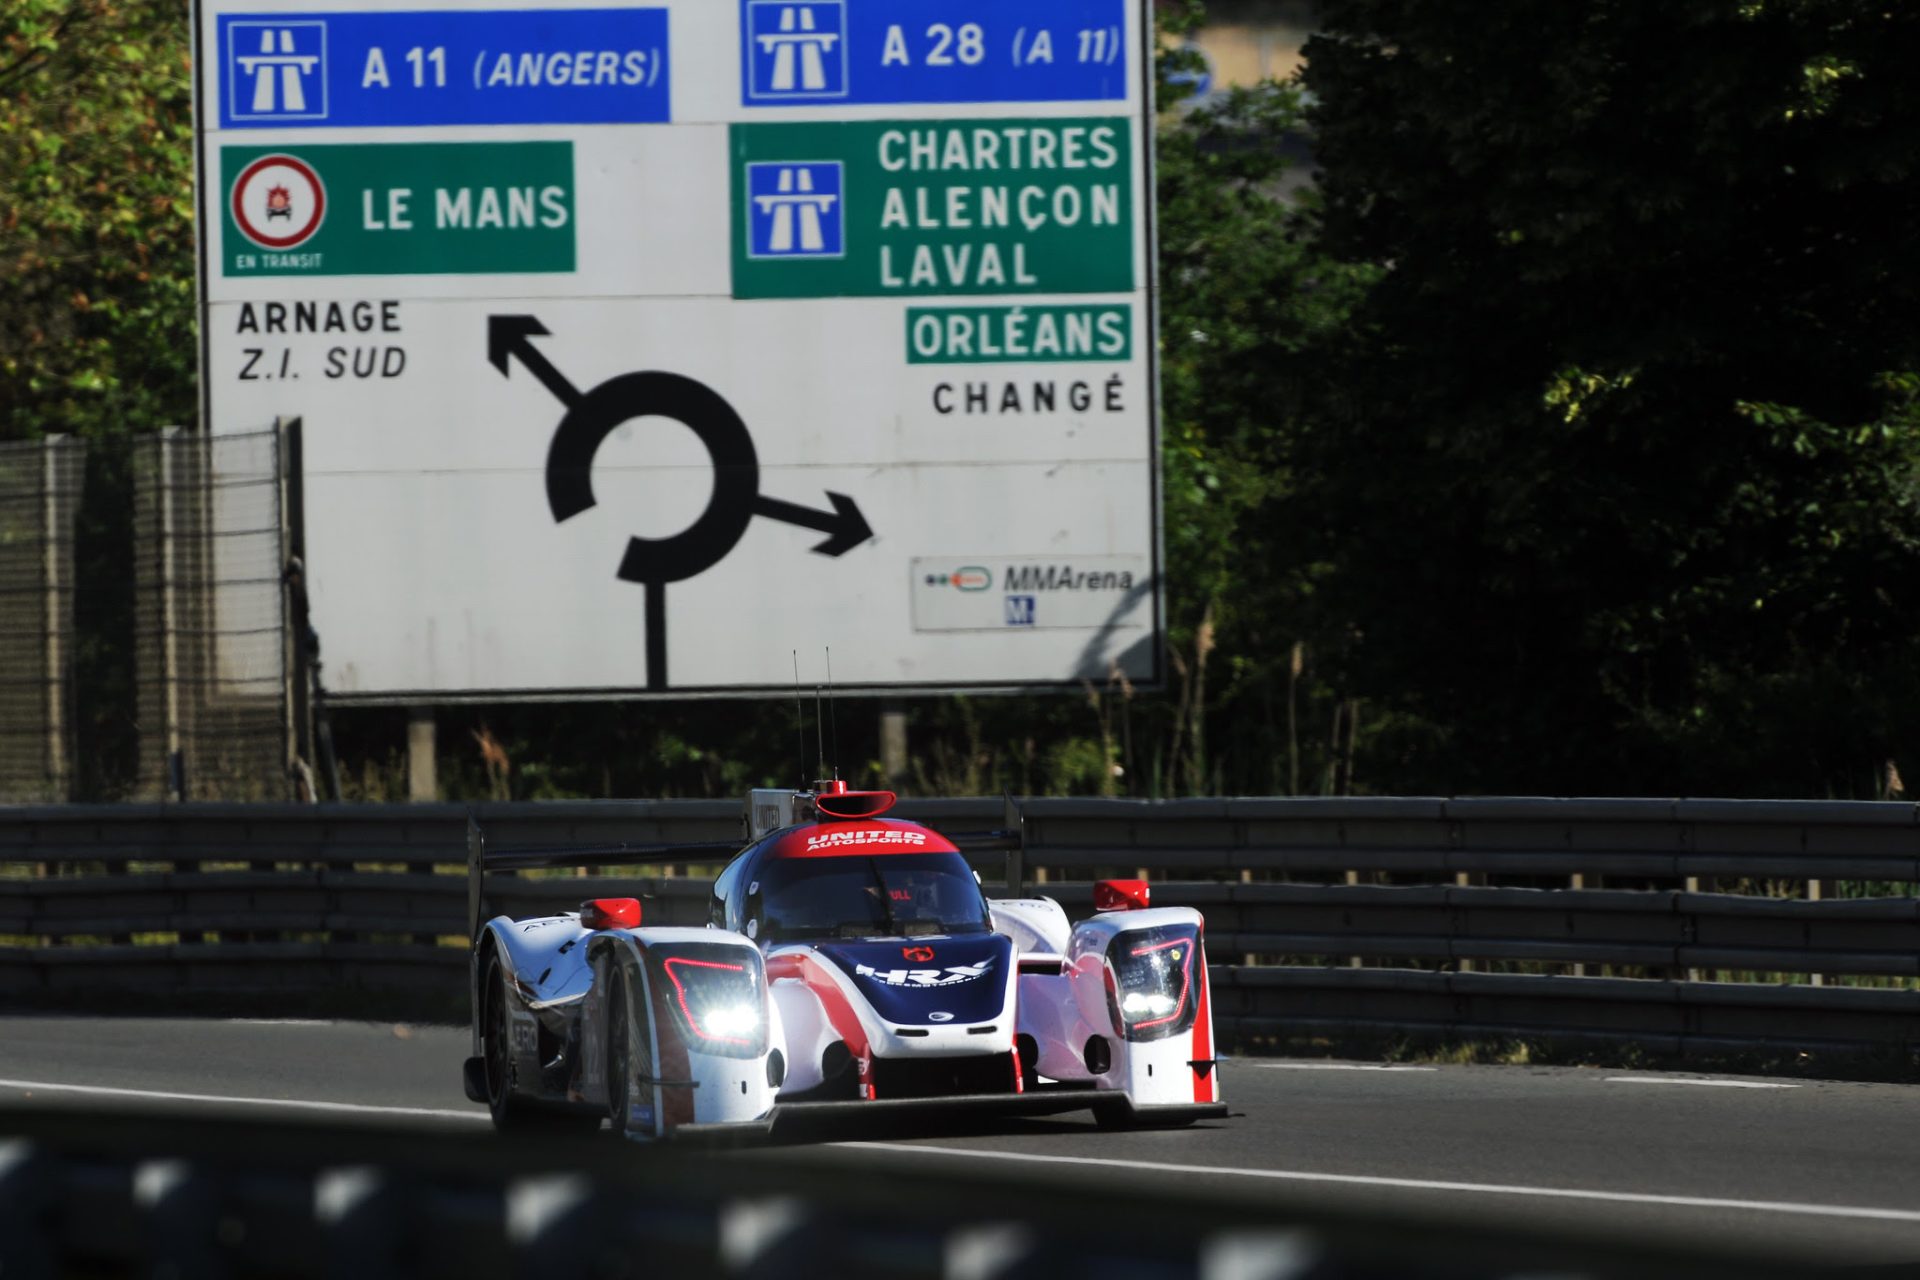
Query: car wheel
{"points": [[618, 1082], [496, 1050], [511, 1112]]}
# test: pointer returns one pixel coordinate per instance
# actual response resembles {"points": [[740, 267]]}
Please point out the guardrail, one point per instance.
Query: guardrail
{"points": [[131, 1193], [1605, 918]]}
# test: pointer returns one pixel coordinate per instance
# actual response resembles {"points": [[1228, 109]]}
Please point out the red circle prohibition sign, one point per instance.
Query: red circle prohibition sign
{"points": [[256, 234]]}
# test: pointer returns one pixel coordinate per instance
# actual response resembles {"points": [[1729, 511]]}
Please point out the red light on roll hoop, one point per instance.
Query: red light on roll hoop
{"points": [[610, 913], [1120, 895]]}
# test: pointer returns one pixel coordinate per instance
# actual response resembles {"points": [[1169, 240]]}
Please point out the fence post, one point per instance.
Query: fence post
{"points": [[57, 747], [297, 682], [166, 454]]}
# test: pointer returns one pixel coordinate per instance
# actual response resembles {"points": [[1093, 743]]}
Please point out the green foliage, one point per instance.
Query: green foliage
{"points": [[96, 239], [1619, 491], [1249, 303]]}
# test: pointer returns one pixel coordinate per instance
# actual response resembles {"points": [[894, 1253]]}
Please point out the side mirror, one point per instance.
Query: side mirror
{"points": [[1120, 895], [610, 913]]}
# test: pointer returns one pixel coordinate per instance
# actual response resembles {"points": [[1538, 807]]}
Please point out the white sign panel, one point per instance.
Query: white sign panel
{"points": [[639, 347]]}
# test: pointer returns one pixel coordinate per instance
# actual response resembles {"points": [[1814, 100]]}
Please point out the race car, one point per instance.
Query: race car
{"points": [[849, 960]]}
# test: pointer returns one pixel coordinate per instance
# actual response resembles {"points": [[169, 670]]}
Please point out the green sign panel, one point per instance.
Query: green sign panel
{"points": [[423, 208], [1018, 334], [884, 208]]}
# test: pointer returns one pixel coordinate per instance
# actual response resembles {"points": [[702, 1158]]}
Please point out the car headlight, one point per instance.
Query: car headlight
{"points": [[719, 997], [735, 1021], [1139, 1006], [1150, 991]]}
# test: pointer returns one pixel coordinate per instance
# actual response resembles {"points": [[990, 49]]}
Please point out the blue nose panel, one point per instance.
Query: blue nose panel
{"points": [[911, 982]]}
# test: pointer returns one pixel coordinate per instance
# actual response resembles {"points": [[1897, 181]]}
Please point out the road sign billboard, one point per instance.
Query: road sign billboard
{"points": [[640, 346]]}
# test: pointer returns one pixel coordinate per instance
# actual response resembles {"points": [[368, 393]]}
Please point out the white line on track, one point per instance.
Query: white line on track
{"points": [[1711, 1084], [1411, 1184], [279, 1022], [224, 1100], [1329, 1066]]}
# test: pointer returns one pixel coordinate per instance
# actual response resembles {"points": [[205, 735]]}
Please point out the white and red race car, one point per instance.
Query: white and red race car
{"points": [[849, 960]]}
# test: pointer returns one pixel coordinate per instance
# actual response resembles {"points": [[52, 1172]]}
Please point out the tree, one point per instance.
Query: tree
{"points": [[1249, 302], [1618, 477], [96, 240]]}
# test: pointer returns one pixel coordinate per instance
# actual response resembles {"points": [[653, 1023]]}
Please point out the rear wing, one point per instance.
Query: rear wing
{"points": [[479, 861]]}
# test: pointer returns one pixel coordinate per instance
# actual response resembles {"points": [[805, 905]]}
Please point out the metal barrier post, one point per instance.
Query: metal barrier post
{"points": [[1814, 888]]}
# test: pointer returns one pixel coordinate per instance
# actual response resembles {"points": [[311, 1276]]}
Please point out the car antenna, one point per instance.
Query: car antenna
{"points": [[832, 718], [819, 732], [799, 722]]}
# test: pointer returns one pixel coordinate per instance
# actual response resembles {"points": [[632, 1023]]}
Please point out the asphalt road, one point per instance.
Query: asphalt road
{"points": [[1823, 1171]]}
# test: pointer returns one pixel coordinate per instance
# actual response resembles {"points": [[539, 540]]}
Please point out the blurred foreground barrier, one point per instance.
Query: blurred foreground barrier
{"points": [[134, 1194], [1675, 924]]}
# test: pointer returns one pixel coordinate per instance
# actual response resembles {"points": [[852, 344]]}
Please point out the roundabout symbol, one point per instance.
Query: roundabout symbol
{"points": [[592, 416]]}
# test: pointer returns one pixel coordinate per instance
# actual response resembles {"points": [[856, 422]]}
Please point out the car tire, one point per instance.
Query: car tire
{"points": [[618, 1082], [511, 1112]]}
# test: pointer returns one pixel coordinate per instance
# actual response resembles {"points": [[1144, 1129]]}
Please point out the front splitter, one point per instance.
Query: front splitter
{"points": [[790, 1120]]}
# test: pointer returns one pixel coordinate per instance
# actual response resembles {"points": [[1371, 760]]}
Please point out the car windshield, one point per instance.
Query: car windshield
{"points": [[893, 895]]}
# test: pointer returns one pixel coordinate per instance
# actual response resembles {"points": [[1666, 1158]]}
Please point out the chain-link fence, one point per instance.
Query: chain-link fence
{"points": [[40, 487], [146, 645], [210, 617]]}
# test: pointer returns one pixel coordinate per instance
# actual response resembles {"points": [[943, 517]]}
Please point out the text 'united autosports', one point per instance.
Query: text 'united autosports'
{"points": [[848, 960]]}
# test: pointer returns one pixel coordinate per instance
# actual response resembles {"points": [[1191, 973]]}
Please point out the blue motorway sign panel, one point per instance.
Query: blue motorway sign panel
{"points": [[410, 68], [799, 52]]}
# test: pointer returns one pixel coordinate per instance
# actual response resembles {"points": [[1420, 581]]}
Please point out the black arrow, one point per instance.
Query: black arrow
{"points": [[509, 336], [846, 527]]}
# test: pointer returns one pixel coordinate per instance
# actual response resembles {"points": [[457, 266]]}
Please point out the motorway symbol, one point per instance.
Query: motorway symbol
{"points": [[279, 70], [797, 210], [593, 415], [796, 50]]}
